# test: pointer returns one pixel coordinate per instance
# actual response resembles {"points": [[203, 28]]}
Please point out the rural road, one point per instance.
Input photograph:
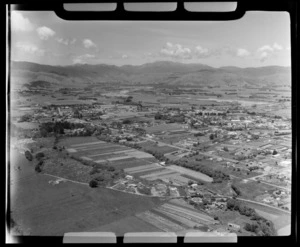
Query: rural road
{"points": [[263, 204], [215, 156]]}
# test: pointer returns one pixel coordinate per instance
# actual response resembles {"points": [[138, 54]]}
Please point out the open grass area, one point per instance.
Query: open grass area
{"points": [[51, 210], [252, 189], [125, 225]]}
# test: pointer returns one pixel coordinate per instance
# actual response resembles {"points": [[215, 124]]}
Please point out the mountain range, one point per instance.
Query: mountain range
{"points": [[162, 72]]}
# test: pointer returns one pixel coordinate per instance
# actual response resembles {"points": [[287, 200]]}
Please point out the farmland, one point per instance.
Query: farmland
{"points": [[194, 174], [91, 148], [45, 209], [170, 217]]}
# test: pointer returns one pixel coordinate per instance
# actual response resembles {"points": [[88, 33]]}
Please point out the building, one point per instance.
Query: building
{"points": [[129, 177], [173, 191], [232, 226]]}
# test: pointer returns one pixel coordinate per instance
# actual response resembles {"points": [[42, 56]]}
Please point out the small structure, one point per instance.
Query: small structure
{"points": [[129, 177], [194, 186], [233, 226], [173, 191]]}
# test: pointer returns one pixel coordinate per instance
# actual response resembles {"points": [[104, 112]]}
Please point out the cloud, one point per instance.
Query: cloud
{"points": [[89, 44], [176, 51], [30, 48], [263, 56], [20, 23], [45, 32], [72, 42], [277, 47], [62, 41], [66, 41], [201, 52], [83, 58], [124, 56], [241, 52], [288, 48], [267, 50]]}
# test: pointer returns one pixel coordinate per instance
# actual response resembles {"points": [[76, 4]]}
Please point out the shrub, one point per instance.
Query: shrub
{"points": [[93, 183], [111, 168], [39, 155], [37, 169], [236, 190], [28, 155], [38, 166]]}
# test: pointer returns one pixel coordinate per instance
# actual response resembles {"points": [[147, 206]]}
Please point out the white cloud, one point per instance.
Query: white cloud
{"points": [[176, 51], [277, 47], [124, 56], [263, 57], [89, 44], [241, 52], [83, 58], [265, 48], [266, 51], [45, 32], [30, 48], [288, 48], [62, 41], [201, 52], [73, 41], [268, 48], [66, 41], [20, 23]]}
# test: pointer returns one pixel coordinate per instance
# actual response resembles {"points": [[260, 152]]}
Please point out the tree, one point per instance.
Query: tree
{"points": [[39, 155], [190, 182], [93, 183], [211, 136], [275, 152], [225, 149], [28, 155], [236, 190]]}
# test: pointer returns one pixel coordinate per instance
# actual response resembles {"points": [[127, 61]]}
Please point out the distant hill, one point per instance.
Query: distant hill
{"points": [[162, 72]]}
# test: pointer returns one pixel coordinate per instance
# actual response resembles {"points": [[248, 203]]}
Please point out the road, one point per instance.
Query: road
{"points": [[274, 185], [263, 204], [216, 157], [189, 150]]}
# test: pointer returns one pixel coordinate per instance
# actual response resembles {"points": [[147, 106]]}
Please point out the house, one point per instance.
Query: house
{"points": [[194, 186], [232, 226], [129, 177], [173, 191]]}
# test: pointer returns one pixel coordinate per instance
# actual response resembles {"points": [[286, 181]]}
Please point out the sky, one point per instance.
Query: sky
{"points": [[257, 39]]}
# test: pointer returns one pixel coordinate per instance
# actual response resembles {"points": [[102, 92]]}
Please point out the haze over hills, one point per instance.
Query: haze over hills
{"points": [[162, 72]]}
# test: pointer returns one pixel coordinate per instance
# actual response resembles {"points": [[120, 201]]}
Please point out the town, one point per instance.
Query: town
{"points": [[218, 159]]}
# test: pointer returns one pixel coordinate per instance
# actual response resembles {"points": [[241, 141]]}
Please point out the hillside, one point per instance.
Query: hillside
{"points": [[162, 72]]}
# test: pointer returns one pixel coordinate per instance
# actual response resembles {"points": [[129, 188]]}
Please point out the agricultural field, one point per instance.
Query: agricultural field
{"points": [[90, 148], [177, 218], [163, 127], [191, 173], [160, 222], [153, 147]]}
